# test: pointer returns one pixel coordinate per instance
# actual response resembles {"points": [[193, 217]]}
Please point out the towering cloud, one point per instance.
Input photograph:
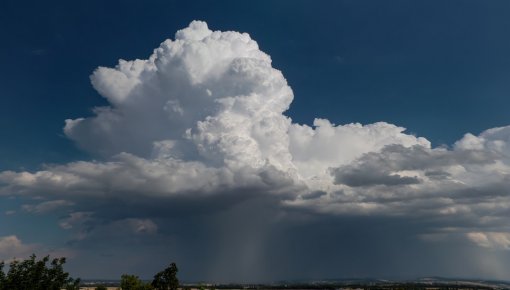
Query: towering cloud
{"points": [[204, 113], [201, 121]]}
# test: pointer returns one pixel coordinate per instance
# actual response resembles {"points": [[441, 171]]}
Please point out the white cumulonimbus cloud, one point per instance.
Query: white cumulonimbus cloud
{"points": [[204, 116]]}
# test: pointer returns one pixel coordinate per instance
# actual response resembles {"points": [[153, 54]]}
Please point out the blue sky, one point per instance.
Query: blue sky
{"points": [[439, 69], [422, 65]]}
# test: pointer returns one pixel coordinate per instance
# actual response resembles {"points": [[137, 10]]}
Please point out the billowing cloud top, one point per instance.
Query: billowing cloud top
{"points": [[204, 116], [210, 103]]}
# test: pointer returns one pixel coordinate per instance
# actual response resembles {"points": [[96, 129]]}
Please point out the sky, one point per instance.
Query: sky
{"points": [[257, 141]]}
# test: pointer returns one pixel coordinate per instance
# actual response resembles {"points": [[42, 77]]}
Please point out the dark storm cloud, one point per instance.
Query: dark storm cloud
{"points": [[199, 164], [367, 177]]}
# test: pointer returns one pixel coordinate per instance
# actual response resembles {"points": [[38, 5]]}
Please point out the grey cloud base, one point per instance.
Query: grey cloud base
{"points": [[196, 155]]}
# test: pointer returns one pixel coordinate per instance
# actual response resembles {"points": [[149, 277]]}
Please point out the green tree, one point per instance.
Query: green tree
{"points": [[2, 274], [32, 274], [166, 279], [132, 282], [101, 287]]}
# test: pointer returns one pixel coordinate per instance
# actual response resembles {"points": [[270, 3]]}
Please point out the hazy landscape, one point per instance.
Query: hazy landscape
{"points": [[424, 283]]}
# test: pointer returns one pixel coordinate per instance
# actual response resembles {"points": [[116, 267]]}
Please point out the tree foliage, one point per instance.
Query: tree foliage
{"points": [[32, 274], [46, 274], [132, 282], [166, 279]]}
